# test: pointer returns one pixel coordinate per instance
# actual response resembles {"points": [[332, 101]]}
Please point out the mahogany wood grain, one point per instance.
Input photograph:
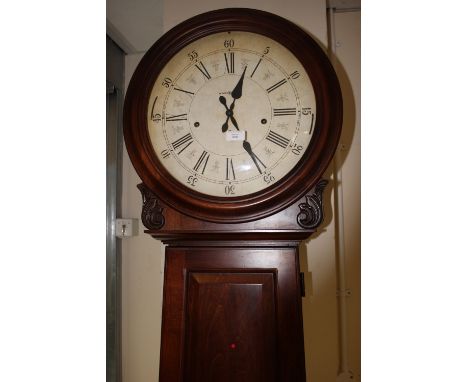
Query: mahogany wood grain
{"points": [[218, 296], [231, 326]]}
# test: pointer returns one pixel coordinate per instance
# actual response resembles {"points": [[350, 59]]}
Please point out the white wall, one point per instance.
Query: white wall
{"points": [[348, 52], [142, 280], [143, 261]]}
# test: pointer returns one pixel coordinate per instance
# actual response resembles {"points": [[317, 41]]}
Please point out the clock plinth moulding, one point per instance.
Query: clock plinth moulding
{"points": [[309, 217]]}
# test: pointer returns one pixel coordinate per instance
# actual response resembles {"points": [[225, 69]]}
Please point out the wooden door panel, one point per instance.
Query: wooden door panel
{"points": [[231, 327], [232, 314]]}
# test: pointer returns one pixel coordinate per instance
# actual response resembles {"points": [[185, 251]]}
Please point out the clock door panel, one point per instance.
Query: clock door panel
{"points": [[232, 314], [231, 327]]}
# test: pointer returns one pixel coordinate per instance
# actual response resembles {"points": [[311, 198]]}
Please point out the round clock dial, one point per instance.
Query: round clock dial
{"points": [[231, 114]]}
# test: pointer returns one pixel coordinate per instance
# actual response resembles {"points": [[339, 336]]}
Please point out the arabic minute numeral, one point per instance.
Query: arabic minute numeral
{"points": [[229, 43], [167, 82], [267, 49], [297, 149], [295, 75], [229, 190], [306, 110], [192, 55], [268, 178], [192, 180]]}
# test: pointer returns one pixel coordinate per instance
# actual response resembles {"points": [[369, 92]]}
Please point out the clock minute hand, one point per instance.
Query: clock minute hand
{"points": [[237, 91], [248, 148], [236, 94]]}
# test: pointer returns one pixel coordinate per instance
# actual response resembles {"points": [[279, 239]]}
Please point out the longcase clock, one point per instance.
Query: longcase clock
{"points": [[230, 120]]}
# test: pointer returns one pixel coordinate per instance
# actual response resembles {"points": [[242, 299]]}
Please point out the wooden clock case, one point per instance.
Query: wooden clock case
{"points": [[232, 287]]}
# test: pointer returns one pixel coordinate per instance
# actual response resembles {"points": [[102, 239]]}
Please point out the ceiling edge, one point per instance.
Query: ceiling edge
{"points": [[114, 33]]}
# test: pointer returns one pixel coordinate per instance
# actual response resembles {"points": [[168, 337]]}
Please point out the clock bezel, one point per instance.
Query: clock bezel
{"points": [[271, 199]]}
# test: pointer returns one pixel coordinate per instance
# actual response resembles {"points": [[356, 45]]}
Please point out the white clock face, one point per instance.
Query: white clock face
{"points": [[231, 114]]}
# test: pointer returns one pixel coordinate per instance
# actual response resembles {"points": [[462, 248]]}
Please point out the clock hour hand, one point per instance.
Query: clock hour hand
{"points": [[236, 94], [234, 122], [222, 99], [225, 124], [248, 148]]}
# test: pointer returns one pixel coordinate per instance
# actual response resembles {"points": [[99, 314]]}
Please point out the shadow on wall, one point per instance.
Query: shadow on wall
{"points": [[319, 257]]}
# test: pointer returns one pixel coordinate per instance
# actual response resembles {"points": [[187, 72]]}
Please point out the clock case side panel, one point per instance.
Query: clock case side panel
{"points": [[275, 198]]}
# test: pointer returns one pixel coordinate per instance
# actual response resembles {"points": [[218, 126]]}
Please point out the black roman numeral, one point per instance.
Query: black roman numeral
{"points": [[203, 70], [277, 139], [180, 117], [186, 140], [276, 86], [152, 108], [256, 66], [285, 111], [230, 169], [184, 91], [311, 124], [203, 160], [229, 62]]}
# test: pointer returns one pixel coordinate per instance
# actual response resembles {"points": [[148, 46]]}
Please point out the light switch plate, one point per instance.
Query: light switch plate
{"points": [[126, 228]]}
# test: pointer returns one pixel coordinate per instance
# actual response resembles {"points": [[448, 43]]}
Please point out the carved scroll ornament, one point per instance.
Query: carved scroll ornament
{"points": [[311, 212], [152, 213]]}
